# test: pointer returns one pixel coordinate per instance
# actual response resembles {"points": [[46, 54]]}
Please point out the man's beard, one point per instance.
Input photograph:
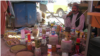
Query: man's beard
{"points": [[74, 12]]}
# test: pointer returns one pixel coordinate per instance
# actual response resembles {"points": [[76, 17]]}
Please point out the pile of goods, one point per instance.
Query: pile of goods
{"points": [[54, 35]]}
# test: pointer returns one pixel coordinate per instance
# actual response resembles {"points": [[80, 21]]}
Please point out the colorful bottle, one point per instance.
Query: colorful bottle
{"points": [[29, 36], [44, 39], [22, 34], [81, 34], [49, 50], [35, 31], [29, 45], [73, 31], [37, 42]]}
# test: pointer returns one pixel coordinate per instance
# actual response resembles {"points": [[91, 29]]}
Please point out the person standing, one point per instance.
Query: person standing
{"points": [[75, 18], [3, 8]]}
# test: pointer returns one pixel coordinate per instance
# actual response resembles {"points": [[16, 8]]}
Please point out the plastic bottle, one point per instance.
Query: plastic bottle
{"points": [[44, 39], [29, 45], [37, 52], [60, 37], [73, 31], [37, 42], [49, 50], [29, 36], [81, 34], [53, 48]]}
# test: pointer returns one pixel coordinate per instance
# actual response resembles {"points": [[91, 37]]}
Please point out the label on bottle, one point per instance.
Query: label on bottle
{"points": [[49, 52], [53, 32]]}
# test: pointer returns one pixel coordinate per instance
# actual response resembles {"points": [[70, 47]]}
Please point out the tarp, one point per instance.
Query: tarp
{"points": [[3, 11], [11, 8]]}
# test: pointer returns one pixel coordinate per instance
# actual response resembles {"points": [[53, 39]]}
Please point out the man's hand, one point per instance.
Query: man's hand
{"points": [[69, 13]]}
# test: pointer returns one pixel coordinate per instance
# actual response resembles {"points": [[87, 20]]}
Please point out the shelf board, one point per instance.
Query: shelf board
{"points": [[93, 13], [98, 7]]}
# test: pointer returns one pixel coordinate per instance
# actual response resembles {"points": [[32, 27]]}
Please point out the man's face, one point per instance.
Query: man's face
{"points": [[74, 9]]}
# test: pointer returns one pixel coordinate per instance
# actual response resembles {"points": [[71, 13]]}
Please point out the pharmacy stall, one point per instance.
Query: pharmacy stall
{"points": [[52, 39]]}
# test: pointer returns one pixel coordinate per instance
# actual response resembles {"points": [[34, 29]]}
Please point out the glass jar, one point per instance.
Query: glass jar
{"points": [[37, 52], [37, 42], [53, 48]]}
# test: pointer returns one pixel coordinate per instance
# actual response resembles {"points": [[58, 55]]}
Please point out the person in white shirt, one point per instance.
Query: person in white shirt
{"points": [[74, 19]]}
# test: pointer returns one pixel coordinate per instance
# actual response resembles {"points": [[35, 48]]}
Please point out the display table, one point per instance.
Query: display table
{"points": [[5, 50]]}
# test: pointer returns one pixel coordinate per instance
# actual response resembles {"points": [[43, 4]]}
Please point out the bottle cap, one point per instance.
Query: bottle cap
{"points": [[53, 29], [67, 29], [64, 54], [49, 46]]}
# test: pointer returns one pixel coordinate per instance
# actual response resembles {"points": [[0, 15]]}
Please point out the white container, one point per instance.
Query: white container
{"points": [[53, 39], [64, 54], [66, 45], [22, 41]]}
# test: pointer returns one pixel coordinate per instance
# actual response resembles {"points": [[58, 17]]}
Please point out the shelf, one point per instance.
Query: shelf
{"points": [[98, 7], [95, 20], [93, 13]]}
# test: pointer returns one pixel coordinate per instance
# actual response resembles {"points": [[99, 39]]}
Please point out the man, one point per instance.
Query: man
{"points": [[3, 8], [76, 18]]}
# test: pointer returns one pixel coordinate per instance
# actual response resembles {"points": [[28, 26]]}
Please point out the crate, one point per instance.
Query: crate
{"points": [[25, 14]]}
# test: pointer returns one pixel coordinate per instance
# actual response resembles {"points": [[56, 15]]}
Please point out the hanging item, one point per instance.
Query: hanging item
{"points": [[11, 11]]}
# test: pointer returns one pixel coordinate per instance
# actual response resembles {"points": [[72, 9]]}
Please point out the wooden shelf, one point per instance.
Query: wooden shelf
{"points": [[93, 13], [98, 7], [95, 20]]}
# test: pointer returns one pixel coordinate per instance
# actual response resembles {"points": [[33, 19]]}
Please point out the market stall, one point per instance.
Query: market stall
{"points": [[44, 40], [37, 40]]}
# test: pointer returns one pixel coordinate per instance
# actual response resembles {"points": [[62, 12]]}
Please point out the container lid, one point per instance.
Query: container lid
{"points": [[49, 46], [67, 29], [64, 54]]}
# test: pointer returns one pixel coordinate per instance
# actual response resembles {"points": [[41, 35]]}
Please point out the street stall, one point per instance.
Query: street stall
{"points": [[41, 40]]}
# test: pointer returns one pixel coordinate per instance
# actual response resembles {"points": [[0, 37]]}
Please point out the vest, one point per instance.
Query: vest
{"points": [[77, 22]]}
